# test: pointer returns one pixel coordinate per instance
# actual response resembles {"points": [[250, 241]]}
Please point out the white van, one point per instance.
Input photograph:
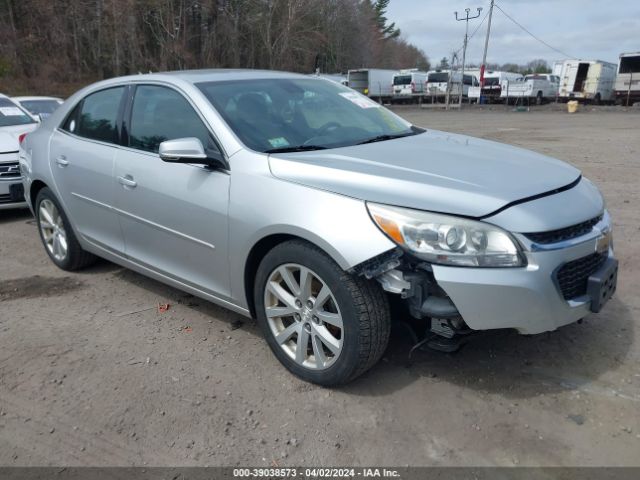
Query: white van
{"points": [[409, 85], [437, 83]]}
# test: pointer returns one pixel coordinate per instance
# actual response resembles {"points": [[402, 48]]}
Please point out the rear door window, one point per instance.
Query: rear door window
{"points": [[159, 114], [98, 116]]}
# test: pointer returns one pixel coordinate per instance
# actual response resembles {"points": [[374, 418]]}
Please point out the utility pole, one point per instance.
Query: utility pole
{"points": [[486, 47], [454, 58], [464, 47]]}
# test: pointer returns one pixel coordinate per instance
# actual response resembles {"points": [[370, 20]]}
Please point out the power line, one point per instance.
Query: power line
{"points": [[532, 35], [474, 32]]}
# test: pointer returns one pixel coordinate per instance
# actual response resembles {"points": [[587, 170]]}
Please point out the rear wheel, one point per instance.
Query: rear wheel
{"points": [[323, 324], [539, 98], [56, 234]]}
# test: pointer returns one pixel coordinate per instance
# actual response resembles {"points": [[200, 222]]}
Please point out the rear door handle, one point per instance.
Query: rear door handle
{"points": [[128, 181], [62, 161]]}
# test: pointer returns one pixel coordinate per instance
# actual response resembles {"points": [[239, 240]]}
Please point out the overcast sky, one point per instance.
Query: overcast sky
{"points": [[586, 29]]}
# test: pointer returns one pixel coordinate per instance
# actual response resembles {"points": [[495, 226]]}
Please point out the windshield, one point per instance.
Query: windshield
{"points": [[438, 77], [11, 114], [37, 107], [402, 80], [288, 114], [491, 81]]}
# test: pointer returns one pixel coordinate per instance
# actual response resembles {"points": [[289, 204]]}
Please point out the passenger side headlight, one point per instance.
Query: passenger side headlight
{"points": [[446, 239]]}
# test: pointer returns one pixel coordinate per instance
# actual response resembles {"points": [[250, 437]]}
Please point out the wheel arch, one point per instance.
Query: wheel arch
{"points": [[264, 246], [36, 186]]}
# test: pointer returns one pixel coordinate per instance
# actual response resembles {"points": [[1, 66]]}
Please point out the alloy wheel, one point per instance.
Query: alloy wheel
{"points": [[303, 316], [52, 230]]}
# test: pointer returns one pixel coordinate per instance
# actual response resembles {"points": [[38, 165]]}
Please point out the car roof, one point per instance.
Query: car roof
{"points": [[20, 99], [210, 75]]}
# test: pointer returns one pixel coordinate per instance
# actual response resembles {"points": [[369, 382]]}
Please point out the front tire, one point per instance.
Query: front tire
{"points": [[323, 324], [57, 236]]}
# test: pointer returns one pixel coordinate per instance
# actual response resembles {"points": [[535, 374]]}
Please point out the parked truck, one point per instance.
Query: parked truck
{"points": [[534, 88], [409, 85], [373, 82], [627, 86], [587, 80], [493, 81]]}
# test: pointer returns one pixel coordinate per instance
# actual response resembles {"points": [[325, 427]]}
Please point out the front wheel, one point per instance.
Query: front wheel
{"points": [[323, 324]]}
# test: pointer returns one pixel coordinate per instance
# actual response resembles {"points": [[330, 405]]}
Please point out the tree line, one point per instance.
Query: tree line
{"points": [[52, 47], [538, 65]]}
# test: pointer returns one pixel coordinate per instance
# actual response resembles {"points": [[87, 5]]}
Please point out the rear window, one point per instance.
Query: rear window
{"points": [[402, 80], [40, 107], [491, 81], [630, 64], [12, 114], [438, 77]]}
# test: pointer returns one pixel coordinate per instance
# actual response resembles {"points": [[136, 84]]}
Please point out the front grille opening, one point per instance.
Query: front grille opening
{"points": [[10, 170], [573, 277], [562, 234]]}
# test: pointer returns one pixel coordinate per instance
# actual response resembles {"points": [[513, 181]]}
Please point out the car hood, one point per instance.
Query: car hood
{"points": [[435, 171], [8, 142]]}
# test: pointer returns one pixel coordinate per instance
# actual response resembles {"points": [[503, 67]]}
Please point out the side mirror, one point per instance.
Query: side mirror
{"points": [[188, 150]]}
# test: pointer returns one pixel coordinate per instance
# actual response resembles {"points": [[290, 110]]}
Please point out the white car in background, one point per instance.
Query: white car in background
{"points": [[39, 107], [15, 123]]}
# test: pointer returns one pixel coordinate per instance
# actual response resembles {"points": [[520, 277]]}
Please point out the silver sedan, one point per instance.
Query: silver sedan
{"points": [[308, 206]]}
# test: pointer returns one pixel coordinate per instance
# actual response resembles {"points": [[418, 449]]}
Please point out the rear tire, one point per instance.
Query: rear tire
{"points": [[305, 293], [539, 98], [57, 236]]}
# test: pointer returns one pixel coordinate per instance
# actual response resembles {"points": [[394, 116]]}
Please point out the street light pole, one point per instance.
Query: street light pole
{"points": [[466, 19]]}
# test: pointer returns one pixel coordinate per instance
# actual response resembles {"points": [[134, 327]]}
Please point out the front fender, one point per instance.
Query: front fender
{"points": [[261, 205]]}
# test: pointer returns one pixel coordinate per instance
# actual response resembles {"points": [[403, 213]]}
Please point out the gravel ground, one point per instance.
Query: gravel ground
{"points": [[91, 373]]}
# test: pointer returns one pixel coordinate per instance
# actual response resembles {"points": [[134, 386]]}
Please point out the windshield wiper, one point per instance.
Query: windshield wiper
{"points": [[297, 148], [382, 138]]}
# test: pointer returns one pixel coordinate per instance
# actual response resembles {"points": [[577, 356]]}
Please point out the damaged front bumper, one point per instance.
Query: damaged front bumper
{"points": [[540, 297]]}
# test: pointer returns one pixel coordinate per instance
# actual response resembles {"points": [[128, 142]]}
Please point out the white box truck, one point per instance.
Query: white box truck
{"points": [[588, 80], [409, 85], [376, 83], [627, 86]]}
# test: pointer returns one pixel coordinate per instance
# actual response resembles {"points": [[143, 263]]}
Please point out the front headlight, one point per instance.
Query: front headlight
{"points": [[447, 239]]}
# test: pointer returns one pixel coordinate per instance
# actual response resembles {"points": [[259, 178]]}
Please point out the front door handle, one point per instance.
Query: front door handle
{"points": [[128, 181], [62, 161]]}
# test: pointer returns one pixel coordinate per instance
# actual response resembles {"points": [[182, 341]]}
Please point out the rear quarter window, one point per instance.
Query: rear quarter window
{"points": [[96, 116]]}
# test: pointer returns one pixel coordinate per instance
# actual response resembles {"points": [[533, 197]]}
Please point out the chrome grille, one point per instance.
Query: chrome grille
{"points": [[562, 234], [9, 170]]}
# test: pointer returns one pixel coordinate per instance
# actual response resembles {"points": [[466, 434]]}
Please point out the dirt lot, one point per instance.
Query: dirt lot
{"points": [[92, 374]]}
